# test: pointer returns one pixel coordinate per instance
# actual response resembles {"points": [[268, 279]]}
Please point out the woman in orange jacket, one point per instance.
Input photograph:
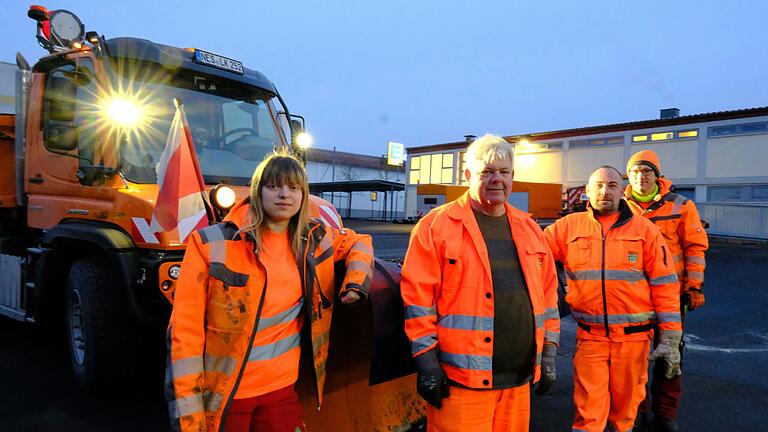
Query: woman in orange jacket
{"points": [[252, 289]]}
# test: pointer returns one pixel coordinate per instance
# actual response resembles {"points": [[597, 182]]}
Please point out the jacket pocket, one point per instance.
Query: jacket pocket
{"points": [[580, 251], [453, 267], [228, 306]]}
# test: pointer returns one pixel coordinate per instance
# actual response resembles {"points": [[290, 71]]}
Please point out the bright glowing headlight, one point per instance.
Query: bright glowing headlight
{"points": [[124, 112], [223, 197], [304, 140]]}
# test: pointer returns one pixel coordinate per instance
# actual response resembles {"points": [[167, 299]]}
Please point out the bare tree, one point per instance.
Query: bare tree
{"points": [[349, 173]]}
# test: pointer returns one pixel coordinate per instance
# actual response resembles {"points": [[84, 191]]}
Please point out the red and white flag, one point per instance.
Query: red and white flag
{"points": [[180, 203]]}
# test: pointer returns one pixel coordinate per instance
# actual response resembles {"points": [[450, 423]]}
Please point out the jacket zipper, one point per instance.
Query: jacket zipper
{"points": [[308, 303], [602, 278], [250, 345]]}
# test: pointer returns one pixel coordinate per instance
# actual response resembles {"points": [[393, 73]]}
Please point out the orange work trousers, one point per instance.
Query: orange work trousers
{"points": [[609, 383], [506, 410]]}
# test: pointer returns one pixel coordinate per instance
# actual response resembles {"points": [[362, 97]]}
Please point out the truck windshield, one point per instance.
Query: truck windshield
{"points": [[233, 126]]}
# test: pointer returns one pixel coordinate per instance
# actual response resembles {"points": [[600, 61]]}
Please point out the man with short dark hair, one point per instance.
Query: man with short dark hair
{"points": [[620, 284], [650, 195]]}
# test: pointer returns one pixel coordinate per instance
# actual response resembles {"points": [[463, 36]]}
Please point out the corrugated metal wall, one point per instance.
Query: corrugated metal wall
{"points": [[739, 220]]}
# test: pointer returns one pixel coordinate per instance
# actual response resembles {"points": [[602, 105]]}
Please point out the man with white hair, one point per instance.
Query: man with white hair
{"points": [[480, 294]]}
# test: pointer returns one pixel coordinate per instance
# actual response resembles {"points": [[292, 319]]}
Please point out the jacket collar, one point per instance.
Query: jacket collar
{"points": [[462, 209], [665, 187], [625, 213]]}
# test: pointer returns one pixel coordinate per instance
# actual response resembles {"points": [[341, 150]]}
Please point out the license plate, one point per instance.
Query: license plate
{"points": [[217, 61]]}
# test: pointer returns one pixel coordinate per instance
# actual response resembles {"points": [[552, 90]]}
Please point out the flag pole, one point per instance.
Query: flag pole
{"points": [[195, 162]]}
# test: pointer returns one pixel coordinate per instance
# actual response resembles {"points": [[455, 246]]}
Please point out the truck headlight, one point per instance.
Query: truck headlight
{"points": [[223, 197]]}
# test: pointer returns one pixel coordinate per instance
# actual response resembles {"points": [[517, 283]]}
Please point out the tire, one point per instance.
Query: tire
{"points": [[95, 331]]}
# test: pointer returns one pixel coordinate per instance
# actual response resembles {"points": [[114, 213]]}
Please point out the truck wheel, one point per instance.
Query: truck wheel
{"points": [[94, 317]]}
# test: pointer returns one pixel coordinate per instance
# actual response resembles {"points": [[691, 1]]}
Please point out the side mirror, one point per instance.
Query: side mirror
{"points": [[297, 127]]}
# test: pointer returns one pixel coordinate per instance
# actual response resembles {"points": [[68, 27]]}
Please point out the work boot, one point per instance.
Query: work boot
{"points": [[661, 424], [641, 422]]}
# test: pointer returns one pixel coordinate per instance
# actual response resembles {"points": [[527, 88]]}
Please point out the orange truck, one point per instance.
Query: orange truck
{"points": [[77, 191]]}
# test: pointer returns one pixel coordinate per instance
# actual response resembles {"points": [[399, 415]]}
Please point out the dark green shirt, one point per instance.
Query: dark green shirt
{"points": [[514, 343]]}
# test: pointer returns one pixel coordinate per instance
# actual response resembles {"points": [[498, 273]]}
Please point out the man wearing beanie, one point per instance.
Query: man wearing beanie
{"points": [[650, 195]]}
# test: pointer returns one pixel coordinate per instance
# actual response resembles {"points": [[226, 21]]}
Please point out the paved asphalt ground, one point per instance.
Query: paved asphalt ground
{"points": [[725, 379]]}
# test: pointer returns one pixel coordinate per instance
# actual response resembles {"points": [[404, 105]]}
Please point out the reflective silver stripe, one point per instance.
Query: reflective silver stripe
{"points": [[674, 333], [270, 351], [539, 320], [187, 366], [319, 341], [222, 364], [466, 322], [212, 401], [670, 278], [197, 364], [414, 311], [464, 361], [679, 201], [423, 343], [668, 317], [186, 406], [538, 358], [283, 317], [362, 247], [695, 275], [614, 318], [218, 246], [360, 266], [550, 313], [696, 260], [596, 275], [552, 336]]}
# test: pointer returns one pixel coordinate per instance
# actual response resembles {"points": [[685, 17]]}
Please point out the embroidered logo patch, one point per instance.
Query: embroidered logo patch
{"points": [[632, 257]]}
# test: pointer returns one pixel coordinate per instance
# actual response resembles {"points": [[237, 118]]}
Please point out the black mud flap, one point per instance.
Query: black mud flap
{"points": [[391, 357]]}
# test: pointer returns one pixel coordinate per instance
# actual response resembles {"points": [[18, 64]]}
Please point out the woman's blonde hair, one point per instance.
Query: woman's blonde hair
{"points": [[278, 168]]}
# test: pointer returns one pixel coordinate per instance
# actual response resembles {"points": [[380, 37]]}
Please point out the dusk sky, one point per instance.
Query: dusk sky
{"points": [[424, 72]]}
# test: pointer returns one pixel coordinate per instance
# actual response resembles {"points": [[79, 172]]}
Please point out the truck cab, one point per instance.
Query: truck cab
{"points": [[79, 188]]}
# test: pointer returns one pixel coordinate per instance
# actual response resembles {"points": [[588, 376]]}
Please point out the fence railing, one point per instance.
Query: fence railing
{"points": [[739, 220]]}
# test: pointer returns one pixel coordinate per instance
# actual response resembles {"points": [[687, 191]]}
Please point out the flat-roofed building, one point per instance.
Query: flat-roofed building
{"points": [[718, 157]]}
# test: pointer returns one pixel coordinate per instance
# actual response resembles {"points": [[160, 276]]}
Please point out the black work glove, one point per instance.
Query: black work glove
{"points": [[431, 383], [548, 372]]}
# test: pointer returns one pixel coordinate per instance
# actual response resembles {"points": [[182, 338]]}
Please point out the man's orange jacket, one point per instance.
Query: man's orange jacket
{"points": [[448, 292], [620, 284], [213, 323], [679, 221]]}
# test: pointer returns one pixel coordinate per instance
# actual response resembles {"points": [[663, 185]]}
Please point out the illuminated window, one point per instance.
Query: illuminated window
{"points": [[436, 169], [447, 171], [662, 136], [688, 134], [639, 138]]}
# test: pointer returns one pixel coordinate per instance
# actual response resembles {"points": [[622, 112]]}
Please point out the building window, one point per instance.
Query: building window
{"points": [[640, 138], [435, 169], [597, 142], [462, 167], [737, 129], [662, 136], [724, 193], [688, 134], [760, 193]]}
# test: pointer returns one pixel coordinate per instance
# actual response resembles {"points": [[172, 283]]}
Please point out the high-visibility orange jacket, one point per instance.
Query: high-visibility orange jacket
{"points": [[679, 221], [619, 284], [447, 290], [216, 303]]}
